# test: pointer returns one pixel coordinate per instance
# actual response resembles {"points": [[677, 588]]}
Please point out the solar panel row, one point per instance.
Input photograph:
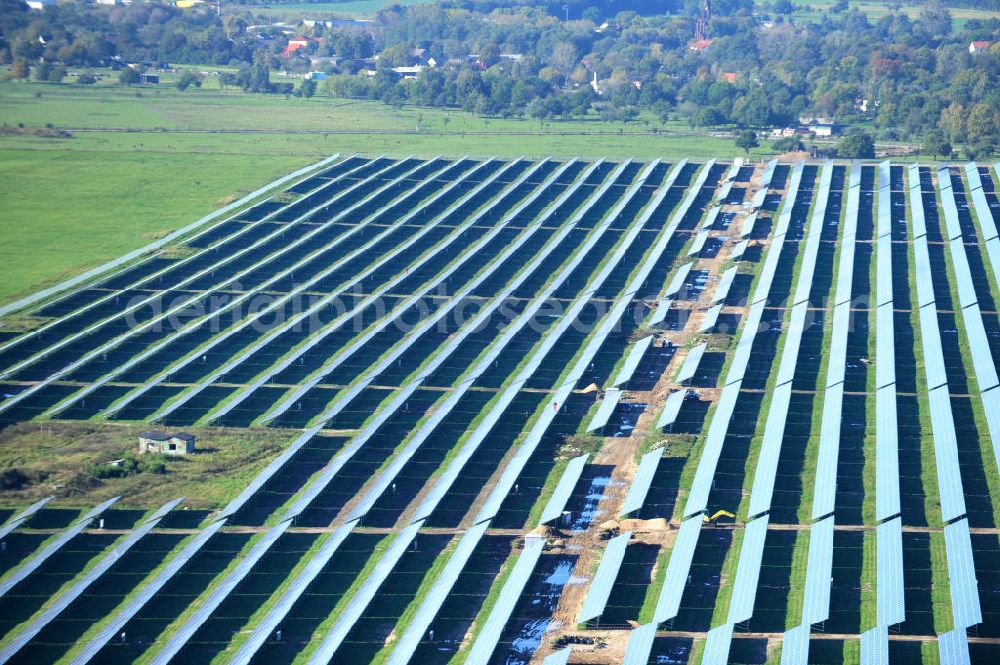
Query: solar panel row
{"points": [[152, 277], [604, 578], [174, 310], [456, 234], [557, 502]]}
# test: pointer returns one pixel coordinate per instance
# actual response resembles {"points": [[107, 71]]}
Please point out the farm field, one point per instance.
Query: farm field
{"points": [[813, 10], [167, 157], [604, 410], [350, 9]]}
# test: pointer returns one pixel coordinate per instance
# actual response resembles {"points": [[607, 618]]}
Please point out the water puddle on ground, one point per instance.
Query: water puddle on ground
{"points": [[591, 501]]}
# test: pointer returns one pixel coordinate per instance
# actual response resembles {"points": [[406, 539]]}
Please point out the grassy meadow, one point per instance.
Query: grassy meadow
{"points": [[141, 162], [813, 10], [54, 457]]}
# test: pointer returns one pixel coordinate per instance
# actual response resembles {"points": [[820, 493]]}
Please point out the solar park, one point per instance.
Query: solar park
{"points": [[517, 395]]}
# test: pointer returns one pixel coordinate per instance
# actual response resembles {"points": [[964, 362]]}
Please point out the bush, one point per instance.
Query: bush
{"points": [[857, 146], [788, 144], [187, 79], [86, 79], [13, 479], [130, 466]]}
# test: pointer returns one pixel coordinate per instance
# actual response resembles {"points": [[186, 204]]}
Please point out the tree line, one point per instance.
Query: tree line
{"points": [[899, 77]]}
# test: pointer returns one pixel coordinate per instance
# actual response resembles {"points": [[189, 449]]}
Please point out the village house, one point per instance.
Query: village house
{"points": [[155, 442]]}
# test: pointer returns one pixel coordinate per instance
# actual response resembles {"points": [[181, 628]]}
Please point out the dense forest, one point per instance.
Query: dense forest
{"points": [[905, 78]]}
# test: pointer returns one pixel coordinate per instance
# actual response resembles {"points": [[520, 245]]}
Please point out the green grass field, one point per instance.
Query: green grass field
{"points": [[54, 456], [142, 162], [876, 10], [348, 9]]}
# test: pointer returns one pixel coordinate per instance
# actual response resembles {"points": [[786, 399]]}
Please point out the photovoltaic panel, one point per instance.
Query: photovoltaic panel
{"points": [[640, 484], [890, 592], [741, 357], [269, 471], [837, 365], [22, 517], [678, 280], [604, 411], [717, 645], [748, 223], [946, 454], [632, 360], [966, 291], [640, 644], [407, 644], [933, 356], [916, 202], [883, 270], [510, 331], [807, 268], [765, 178], [315, 565], [604, 578], [991, 407], [767, 272], [691, 363], [362, 598], [793, 340], [788, 205], [962, 575], [417, 297], [770, 451], [953, 648], [732, 171], [145, 594], [711, 318], [993, 252], [884, 225], [759, 198], [660, 313], [165, 240], [816, 605], [516, 463], [983, 214], [218, 594], [725, 283], [979, 349], [717, 429], [875, 646], [672, 408], [845, 271], [177, 306], [886, 454], [318, 335], [482, 649], [885, 347], [724, 191], [948, 208], [557, 502], [748, 571], [678, 567], [825, 490], [923, 273], [52, 547], [713, 214], [16, 642], [795, 646], [699, 243], [738, 249]]}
